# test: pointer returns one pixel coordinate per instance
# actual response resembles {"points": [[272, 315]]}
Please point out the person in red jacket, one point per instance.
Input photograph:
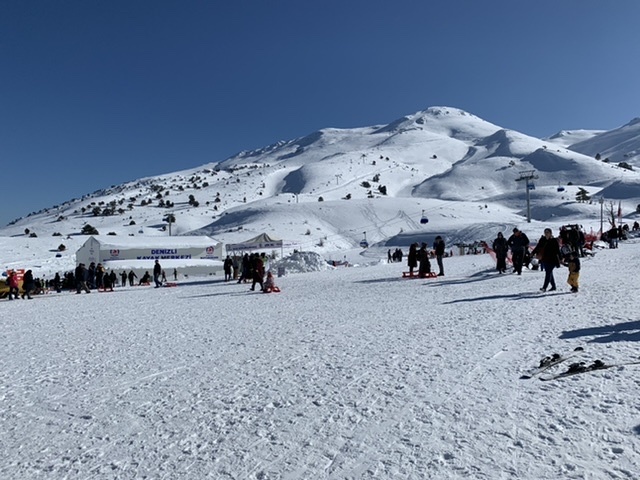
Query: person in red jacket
{"points": [[270, 284], [14, 284]]}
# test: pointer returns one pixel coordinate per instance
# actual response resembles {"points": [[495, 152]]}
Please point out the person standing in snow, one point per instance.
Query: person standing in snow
{"points": [[14, 285], [412, 258], [519, 244], [258, 272], [548, 252], [28, 284], [228, 264], [91, 275], [123, 279], [157, 271], [573, 264], [438, 247], [57, 283], [81, 278], [245, 269], [106, 282], [131, 276], [500, 247], [100, 274]]}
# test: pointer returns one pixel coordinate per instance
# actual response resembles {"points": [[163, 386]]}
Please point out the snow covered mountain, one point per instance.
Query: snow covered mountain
{"points": [[618, 145], [328, 189]]}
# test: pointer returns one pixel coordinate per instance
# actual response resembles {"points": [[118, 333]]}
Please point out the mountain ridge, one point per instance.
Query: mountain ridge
{"points": [[434, 160]]}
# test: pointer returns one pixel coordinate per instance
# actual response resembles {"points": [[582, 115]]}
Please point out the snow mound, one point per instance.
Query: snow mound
{"points": [[302, 262]]}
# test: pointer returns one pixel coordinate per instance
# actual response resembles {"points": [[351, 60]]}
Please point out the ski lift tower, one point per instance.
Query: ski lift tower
{"points": [[527, 176]]}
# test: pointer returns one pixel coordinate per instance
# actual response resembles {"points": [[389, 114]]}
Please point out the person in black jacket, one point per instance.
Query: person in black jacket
{"points": [[28, 284], [500, 247], [439, 247], [157, 272], [258, 271], [424, 265], [412, 258], [228, 265], [131, 276], [548, 252], [57, 283], [81, 278], [519, 244]]}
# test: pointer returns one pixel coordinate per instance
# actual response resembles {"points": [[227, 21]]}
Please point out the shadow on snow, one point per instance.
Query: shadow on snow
{"points": [[621, 332]]}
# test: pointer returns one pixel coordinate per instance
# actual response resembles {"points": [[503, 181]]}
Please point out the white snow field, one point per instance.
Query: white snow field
{"points": [[349, 373]]}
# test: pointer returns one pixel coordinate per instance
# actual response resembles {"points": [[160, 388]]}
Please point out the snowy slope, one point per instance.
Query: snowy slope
{"points": [[618, 145], [348, 373]]}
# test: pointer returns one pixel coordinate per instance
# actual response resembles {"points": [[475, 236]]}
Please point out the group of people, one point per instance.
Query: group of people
{"points": [[419, 257], [251, 268], [547, 252], [395, 256], [28, 285], [96, 277]]}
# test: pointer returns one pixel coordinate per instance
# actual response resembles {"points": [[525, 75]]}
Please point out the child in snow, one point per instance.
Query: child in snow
{"points": [[270, 284], [573, 264]]}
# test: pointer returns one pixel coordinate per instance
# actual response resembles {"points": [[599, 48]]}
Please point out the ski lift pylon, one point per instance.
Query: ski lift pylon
{"points": [[423, 218]]}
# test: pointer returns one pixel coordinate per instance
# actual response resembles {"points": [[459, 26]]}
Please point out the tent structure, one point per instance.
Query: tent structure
{"points": [[195, 255], [261, 242]]}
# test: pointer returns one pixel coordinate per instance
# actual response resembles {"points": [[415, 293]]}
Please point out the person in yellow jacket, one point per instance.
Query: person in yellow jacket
{"points": [[573, 264]]}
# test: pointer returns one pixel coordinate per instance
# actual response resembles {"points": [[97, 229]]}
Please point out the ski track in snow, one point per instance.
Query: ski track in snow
{"points": [[347, 374]]}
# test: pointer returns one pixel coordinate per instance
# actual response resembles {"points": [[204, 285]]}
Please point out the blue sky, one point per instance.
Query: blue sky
{"points": [[97, 93]]}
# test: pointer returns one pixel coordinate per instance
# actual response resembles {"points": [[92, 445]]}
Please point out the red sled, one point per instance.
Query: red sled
{"points": [[417, 275], [271, 290]]}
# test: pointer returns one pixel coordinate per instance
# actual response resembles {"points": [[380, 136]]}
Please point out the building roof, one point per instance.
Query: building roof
{"points": [[122, 243]]}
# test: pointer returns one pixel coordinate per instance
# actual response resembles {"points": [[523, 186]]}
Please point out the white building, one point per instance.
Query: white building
{"points": [[189, 255]]}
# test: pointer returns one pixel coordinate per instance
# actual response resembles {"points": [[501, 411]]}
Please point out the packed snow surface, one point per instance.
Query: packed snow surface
{"points": [[348, 373]]}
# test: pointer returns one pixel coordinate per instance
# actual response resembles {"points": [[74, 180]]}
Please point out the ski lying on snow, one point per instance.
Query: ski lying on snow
{"points": [[551, 361], [581, 367]]}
